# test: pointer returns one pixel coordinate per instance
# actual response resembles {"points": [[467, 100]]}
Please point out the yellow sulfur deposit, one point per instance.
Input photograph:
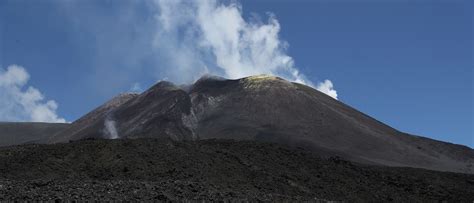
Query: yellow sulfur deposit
{"points": [[261, 81]]}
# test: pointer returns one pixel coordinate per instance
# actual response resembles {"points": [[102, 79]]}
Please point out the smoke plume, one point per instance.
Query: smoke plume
{"points": [[327, 88], [110, 129], [181, 40], [207, 36]]}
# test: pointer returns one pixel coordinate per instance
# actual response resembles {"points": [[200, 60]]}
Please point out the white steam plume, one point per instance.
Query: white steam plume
{"points": [[136, 87], [327, 87], [207, 36], [19, 102], [110, 129]]}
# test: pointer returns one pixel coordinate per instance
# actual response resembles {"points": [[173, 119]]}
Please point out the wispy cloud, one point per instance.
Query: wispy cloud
{"points": [[19, 102]]}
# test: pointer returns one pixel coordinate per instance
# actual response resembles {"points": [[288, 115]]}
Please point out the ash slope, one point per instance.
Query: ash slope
{"points": [[162, 169], [266, 108], [15, 133]]}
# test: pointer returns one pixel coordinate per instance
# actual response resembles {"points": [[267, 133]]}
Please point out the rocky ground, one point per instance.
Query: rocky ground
{"points": [[159, 169]]}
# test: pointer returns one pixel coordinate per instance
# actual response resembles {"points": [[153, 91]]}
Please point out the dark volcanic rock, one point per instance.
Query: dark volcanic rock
{"points": [[156, 113], [266, 108], [162, 169], [93, 123]]}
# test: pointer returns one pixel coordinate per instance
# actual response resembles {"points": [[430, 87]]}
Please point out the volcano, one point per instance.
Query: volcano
{"points": [[265, 109]]}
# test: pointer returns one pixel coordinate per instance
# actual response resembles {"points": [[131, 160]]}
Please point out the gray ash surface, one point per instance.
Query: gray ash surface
{"points": [[161, 169]]}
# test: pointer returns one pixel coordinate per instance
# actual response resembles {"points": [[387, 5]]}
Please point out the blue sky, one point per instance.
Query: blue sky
{"points": [[406, 63]]}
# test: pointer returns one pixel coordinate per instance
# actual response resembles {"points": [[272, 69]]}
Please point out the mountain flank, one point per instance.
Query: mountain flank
{"points": [[14, 133], [269, 109]]}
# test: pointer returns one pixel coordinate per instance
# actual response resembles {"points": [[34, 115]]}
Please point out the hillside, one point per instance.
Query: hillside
{"points": [[14, 133]]}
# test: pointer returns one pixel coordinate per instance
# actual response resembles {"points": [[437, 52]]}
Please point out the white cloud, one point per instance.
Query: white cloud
{"points": [[21, 103], [206, 36], [327, 87]]}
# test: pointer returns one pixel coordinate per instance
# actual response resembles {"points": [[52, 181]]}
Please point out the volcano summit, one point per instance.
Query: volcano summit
{"points": [[266, 109]]}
